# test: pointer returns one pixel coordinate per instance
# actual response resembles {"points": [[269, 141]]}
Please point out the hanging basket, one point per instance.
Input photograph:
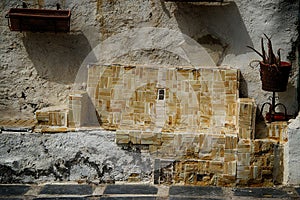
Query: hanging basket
{"points": [[275, 79]]}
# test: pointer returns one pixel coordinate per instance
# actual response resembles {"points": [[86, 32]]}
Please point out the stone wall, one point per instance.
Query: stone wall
{"points": [[211, 141], [39, 70], [193, 159], [193, 100], [223, 153]]}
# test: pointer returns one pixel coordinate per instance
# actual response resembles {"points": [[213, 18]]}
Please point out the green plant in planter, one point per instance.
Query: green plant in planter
{"points": [[274, 73]]}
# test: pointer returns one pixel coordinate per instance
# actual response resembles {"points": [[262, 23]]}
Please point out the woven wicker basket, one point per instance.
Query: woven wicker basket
{"points": [[275, 79]]}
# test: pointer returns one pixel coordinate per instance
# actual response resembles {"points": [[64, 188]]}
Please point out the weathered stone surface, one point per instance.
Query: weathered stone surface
{"points": [[292, 153], [76, 156]]}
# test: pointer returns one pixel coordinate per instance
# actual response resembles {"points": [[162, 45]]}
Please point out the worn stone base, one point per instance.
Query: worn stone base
{"points": [[93, 156], [77, 156]]}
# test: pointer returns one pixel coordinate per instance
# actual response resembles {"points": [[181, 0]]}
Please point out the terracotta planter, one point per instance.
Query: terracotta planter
{"points": [[275, 79]]}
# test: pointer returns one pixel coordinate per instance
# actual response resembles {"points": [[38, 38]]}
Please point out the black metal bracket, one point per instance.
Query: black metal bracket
{"points": [[272, 115]]}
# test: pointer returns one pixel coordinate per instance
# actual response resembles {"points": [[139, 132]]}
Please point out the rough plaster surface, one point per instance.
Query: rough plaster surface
{"points": [[38, 69], [292, 154], [90, 155]]}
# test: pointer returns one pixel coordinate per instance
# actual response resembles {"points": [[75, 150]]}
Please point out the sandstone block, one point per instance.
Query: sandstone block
{"points": [[42, 117], [122, 137], [230, 168], [244, 159], [216, 167], [148, 138], [58, 119], [53, 129], [244, 174], [225, 180], [246, 133], [135, 137], [277, 130], [231, 142], [228, 157]]}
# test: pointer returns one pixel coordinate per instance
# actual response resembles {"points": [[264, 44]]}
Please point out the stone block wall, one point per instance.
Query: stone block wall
{"points": [[189, 120], [207, 158], [33, 63], [194, 99], [199, 131], [52, 119]]}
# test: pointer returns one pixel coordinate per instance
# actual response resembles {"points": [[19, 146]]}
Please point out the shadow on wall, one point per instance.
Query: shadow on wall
{"points": [[57, 57], [218, 28]]}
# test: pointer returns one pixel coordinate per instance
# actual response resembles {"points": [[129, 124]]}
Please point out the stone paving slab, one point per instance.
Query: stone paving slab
{"points": [[128, 198], [194, 198], [13, 190], [260, 192], [61, 198], [11, 199], [195, 191], [67, 190], [130, 189]]}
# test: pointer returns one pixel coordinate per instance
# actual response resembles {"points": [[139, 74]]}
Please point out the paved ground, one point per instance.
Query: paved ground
{"points": [[143, 192]]}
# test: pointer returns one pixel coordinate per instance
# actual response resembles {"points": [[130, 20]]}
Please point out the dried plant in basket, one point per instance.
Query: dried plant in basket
{"points": [[274, 72], [270, 58]]}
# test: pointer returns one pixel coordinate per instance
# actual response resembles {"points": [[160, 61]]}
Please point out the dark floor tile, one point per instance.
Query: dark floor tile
{"points": [[193, 198], [11, 199], [13, 190], [61, 198], [260, 192], [127, 198], [67, 189], [130, 189], [195, 191]]}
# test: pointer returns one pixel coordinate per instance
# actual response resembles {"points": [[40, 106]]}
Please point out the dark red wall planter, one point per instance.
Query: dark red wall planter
{"points": [[275, 79], [38, 20]]}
